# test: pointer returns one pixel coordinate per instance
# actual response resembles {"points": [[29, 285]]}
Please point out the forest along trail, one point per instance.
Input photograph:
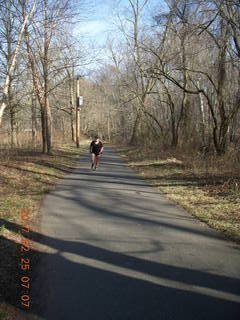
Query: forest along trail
{"points": [[117, 249]]}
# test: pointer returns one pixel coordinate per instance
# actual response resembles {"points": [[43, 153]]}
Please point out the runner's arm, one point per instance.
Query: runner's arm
{"points": [[91, 147]]}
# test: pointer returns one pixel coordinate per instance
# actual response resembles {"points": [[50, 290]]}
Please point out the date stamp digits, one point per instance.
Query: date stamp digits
{"points": [[25, 262]]}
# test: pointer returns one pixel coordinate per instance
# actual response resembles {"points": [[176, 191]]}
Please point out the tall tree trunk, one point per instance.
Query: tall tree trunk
{"points": [[34, 120], [47, 112], [202, 118], [174, 141], [174, 122], [44, 128], [12, 64], [135, 127], [48, 127], [12, 112], [224, 119], [184, 115], [13, 127], [72, 126]]}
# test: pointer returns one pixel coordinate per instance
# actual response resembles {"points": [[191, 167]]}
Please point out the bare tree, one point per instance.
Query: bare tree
{"points": [[43, 54], [13, 51]]}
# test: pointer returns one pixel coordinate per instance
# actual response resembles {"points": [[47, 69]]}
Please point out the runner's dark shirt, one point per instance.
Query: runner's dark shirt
{"points": [[96, 148]]}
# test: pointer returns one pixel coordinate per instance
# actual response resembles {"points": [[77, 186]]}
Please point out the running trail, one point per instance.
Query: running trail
{"points": [[116, 249]]}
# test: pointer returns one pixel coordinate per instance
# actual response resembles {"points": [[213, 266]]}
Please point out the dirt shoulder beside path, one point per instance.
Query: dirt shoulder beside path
{"points": [[25, 177], [206, 189]]}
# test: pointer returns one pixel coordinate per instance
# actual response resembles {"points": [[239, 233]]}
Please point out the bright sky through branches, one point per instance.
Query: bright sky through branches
{"points": [[99, 24]]}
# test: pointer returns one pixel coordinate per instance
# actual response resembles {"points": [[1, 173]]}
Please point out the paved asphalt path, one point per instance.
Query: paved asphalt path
{"points": [[115, 249]]}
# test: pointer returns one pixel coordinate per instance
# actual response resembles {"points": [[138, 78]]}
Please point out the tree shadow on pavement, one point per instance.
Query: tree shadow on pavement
{"points": [[94, 283]]}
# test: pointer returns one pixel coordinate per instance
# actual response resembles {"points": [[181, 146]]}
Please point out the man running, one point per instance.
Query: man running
{"points": [[96, 149]]}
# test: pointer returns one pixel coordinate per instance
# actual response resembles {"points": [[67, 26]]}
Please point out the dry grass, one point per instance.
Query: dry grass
{"points": [[25, 177], [209, 188]]}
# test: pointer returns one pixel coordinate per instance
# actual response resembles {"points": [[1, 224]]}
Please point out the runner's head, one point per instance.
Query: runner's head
{"points": [[96, 138]]}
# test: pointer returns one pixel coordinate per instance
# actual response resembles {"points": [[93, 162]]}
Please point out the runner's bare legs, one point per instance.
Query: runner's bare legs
{"points": [[95, 161]]}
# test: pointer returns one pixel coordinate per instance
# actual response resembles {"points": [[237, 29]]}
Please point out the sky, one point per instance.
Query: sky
{"points": [[98, 25], [99, 22]]}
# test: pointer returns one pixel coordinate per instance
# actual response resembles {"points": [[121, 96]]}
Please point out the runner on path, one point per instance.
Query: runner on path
{"points": [[96, 149]]}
